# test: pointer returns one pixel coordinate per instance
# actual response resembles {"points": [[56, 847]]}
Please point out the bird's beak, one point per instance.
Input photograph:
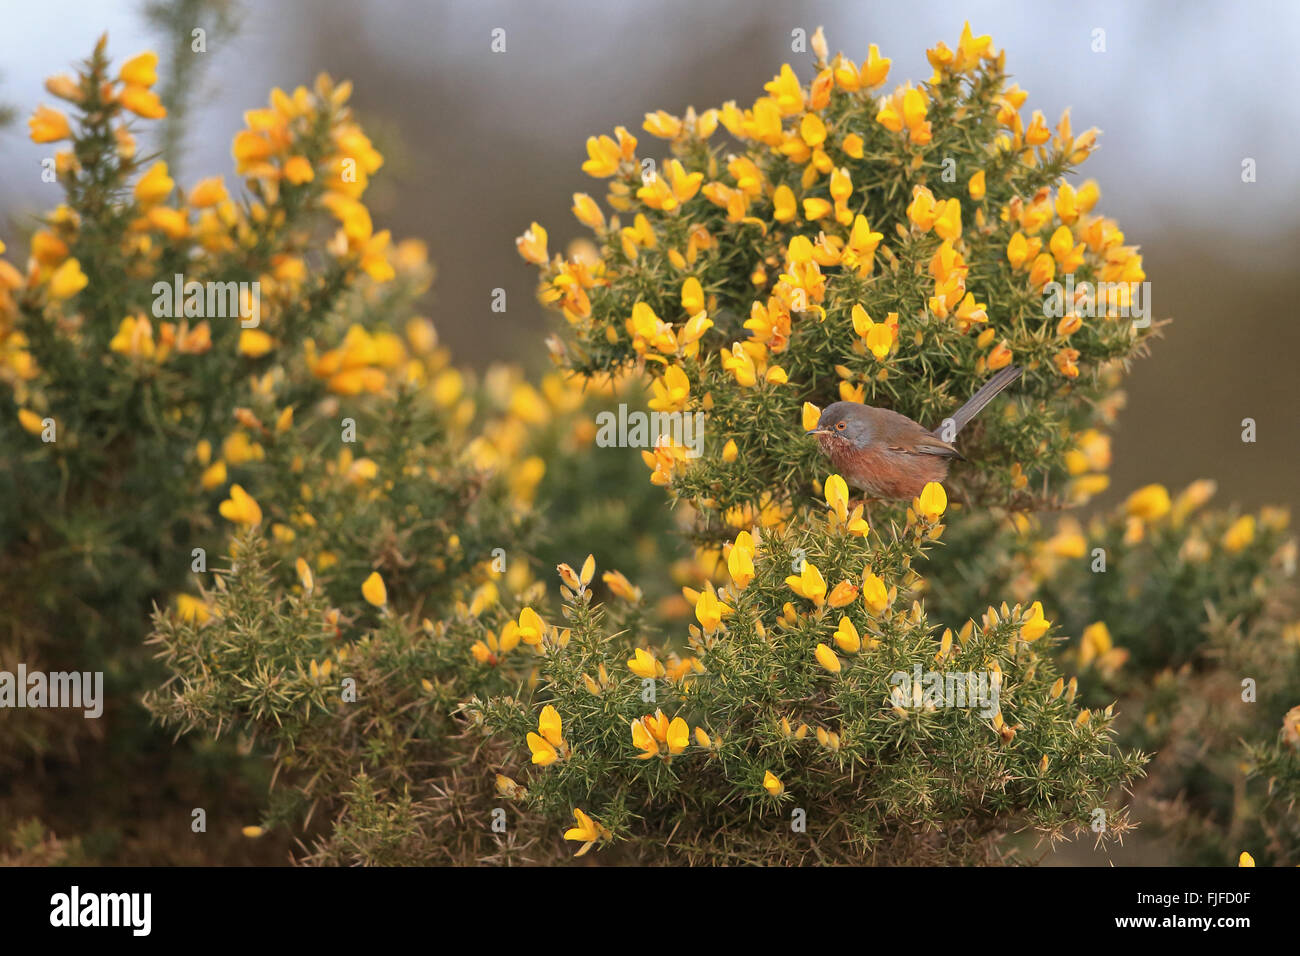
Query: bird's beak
{"points": [[818, 431]]}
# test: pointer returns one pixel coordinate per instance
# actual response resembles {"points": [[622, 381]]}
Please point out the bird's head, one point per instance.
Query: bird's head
{"points": [[844, 422]]}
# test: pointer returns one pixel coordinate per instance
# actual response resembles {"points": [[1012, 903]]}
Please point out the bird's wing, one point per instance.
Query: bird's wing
{"points": [[927, 444], [900, 434]]}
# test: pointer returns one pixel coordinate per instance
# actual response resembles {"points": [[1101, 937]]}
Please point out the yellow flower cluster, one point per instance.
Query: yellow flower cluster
{"points": [[794, 200], [656, 736], [281, 149]]}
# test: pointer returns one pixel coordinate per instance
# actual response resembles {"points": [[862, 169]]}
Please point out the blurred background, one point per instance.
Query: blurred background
{"points": [[478, 144]]}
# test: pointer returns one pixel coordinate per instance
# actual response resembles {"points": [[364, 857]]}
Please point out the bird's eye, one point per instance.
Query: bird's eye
{"points": [[840, 426]]}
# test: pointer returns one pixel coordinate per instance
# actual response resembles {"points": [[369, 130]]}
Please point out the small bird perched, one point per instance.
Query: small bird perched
{"points": [[888, 455]]}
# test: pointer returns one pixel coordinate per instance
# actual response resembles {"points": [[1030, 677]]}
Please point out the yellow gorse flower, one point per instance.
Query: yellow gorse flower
{"points": [[240, 507], [192, 609], [847, 638], [837, 498], [134, 338], [874, 593], [530, 627], [548, 744], [67, 280], [49, 125], [709, 611], [670, 392], [140, 70], [827, 659], [656, 736], [1150, 503], [532, 245], [31, 423], [933, 502], [842, 594], [305, 577], [492, 648], [1240, 534], [644, 664], [588, 832], [740, 560], [1035, 625], [374, 591], [142, 102], [155, 185], [620, 586], [809, 583]]}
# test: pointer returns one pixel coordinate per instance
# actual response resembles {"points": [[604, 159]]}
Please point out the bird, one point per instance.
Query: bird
{"points": [[889, 456]]}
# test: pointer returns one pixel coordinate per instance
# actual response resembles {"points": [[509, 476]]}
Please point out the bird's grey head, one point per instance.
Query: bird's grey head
{"points": [[848, 421]]}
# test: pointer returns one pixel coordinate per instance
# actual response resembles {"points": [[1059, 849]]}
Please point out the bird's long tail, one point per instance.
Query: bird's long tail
{"points": [[987, 392]]}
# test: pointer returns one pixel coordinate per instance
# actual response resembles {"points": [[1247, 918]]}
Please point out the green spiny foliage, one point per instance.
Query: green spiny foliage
{"points": [[1274, 793], [136, 428], [360, 730], [1187, 616], [879, 767]]}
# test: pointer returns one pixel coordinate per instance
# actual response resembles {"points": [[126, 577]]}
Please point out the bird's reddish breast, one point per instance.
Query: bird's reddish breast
{"points": [[882, 473]]}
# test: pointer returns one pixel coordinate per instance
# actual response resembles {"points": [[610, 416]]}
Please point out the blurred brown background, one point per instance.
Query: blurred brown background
{"points": [[480, 143]]}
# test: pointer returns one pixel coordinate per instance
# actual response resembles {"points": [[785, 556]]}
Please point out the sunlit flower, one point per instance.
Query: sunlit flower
{"points": [[1150, 503], [49, 125], [532, 245], [933, 502], [254, 343], [143, 102], [809, 583], [643, 664], [240, 508], [374, 591], [588, 832], [620, 586], [1240, 534], [740, 560], [1034, 625], [66, 281], [548, 744], [874, 593], [155, 185], [827, 659]]}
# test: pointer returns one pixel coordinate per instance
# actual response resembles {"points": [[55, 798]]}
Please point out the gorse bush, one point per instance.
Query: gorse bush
{"points": [[895, 249], [892, 249], [141, 440], [886, 247], [237, 436], [1187, 616], [102, 408], [817, 703]]}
